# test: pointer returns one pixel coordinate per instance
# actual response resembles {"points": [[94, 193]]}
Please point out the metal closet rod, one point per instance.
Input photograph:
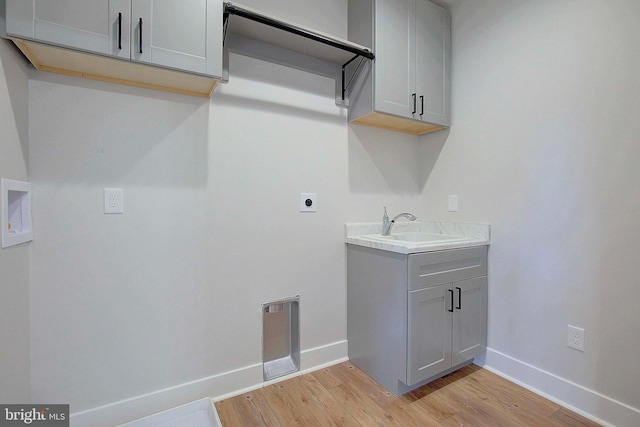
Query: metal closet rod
{"points": [[232, 9]]}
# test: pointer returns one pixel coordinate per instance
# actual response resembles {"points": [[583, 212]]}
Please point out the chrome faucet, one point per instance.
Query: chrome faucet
{"points": [[386, 224]]}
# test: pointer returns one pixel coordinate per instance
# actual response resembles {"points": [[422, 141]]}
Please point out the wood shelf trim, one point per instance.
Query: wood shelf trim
{"points": [[95, 67], [394, 123]]}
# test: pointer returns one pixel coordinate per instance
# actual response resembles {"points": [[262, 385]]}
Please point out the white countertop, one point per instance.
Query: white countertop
{"points": [[469, 235]]}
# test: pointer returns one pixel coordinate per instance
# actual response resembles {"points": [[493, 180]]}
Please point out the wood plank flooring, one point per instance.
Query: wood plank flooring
{"points": [[343, 395]]}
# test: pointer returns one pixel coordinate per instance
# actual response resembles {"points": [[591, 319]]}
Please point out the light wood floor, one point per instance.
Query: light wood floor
{"points": [[343, 395]]}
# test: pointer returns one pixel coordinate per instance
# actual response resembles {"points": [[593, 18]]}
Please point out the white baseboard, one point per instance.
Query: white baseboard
{"points": [[588, 403], [218, 387]]}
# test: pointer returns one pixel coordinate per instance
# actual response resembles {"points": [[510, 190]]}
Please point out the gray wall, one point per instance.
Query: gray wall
{"points": [[169, 292], [14, 261], [545, 147]]}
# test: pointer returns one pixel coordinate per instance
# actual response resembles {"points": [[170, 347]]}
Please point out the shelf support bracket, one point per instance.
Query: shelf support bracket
{"points": [[345, 84]]}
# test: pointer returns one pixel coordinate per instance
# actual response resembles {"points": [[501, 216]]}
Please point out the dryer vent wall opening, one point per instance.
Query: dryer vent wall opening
{"points": [[280, 337]]}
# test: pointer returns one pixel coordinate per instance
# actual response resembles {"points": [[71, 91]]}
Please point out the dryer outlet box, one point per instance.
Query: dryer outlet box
{"points": [[308, 202]]}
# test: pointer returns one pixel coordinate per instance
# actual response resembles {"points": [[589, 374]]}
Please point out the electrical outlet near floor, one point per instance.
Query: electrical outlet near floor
{"points": [[575, 337]]}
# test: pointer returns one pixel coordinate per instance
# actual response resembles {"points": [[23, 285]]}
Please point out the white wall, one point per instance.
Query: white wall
{"points": [[545, 146], [170, 291], [168, 294], [14, 261]]}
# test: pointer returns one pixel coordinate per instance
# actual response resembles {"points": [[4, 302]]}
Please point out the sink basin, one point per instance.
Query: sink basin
{"points": [[418, 237], [414, 237]]}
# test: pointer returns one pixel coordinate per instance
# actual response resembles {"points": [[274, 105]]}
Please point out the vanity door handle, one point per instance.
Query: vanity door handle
{"points": [[451, 292], [140, 29], [459, 306], [414, 103], [120, 30], [421, 105]]}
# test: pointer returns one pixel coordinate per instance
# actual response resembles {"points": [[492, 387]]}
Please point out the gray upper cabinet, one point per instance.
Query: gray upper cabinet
{"points": [[408, 87], [175, 46], [185, 35], [91, 25], [395, 63], [433, 56]]}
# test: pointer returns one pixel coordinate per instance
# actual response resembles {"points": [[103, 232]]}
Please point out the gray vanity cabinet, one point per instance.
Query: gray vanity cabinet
{"points": [[413, 318], [446, 327], [408, 86]]}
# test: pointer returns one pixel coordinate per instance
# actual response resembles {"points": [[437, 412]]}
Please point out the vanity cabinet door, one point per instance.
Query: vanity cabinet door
{"points": [[429, 333], [99, 26], [469, 319], [447, 310], [185, 35]]}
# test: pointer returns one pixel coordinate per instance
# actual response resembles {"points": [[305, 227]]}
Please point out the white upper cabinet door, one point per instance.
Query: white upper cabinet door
{"points": [[395, 57], [100, 26], [185, 35], [433, 44]]}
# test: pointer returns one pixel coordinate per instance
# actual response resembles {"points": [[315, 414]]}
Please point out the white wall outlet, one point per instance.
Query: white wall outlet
{"points": [[113, 200], [575, 338], [308, 202], [453, 203]]}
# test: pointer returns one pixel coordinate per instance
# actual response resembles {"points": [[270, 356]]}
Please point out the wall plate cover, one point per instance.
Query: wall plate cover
{"points": [[308, 202], [575, 337], [453, 203], [113, 200]]}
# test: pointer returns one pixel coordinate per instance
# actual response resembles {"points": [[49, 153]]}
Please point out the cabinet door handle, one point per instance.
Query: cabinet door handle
{"points": [[120, 30], [459, 306], [451, 292], [414, 103], [140, 29], [421, 105]]}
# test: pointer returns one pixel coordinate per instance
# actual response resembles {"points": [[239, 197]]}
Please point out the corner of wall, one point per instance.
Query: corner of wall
{"points": [[15, 358]]}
